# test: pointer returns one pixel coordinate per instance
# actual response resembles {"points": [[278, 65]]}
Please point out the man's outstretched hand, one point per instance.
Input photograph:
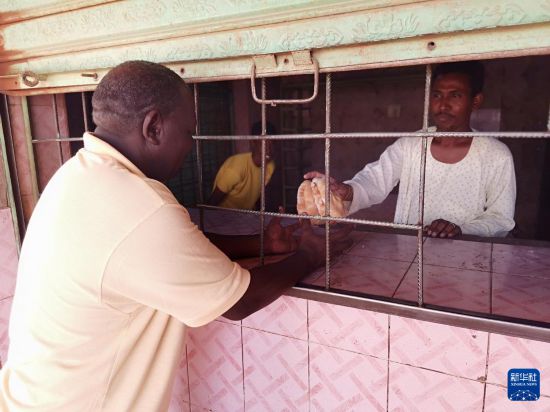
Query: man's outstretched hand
{"points": [[442, 228], [282, 239], [315, 245]]}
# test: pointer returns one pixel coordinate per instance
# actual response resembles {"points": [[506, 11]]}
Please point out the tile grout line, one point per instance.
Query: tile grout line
{"points": [[187, 372], [402, 280], [486, 372], [388, 368], [308, 360], [491, 282], [242, 363]]}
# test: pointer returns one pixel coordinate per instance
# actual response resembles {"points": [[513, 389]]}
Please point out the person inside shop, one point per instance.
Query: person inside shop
{"points": [[112, 270], [238, 181], [470, 184]]}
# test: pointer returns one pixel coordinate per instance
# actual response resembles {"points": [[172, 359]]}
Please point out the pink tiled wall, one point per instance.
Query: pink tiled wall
{"points": [[300, 355], [8, 271]]}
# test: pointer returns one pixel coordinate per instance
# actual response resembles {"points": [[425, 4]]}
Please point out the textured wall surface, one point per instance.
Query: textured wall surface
{"points": [[8, 271], [304, 355]]}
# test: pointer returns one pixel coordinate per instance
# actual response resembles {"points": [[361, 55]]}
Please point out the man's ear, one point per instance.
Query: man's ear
{"points": [[477, 101], [152, 127]]}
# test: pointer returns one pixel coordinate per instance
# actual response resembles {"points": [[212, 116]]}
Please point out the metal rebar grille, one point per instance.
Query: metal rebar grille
{"points": [[424, 134]]}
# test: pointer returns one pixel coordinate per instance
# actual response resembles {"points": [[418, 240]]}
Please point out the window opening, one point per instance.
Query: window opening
{"points": [[291, 134]]}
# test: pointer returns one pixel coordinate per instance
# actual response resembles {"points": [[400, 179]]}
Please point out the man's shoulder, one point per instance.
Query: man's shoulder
{"points": [[494, 148]]}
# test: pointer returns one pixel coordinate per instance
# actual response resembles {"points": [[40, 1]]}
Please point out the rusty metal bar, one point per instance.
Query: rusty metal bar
{"points": [[323, 218], [328, 98], [274, 102], [30, 151], [198, 149], [421, 186], [262, 175], [61, 139], [380, 135], [85, 111], [57, 129]]}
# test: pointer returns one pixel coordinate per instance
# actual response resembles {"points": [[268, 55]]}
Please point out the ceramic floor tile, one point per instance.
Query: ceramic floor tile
{"points": [[345, 381], [458, 254], [496, 400], [286, 316], [419, 390], [8, 254], [387, 246], [365, 275], [452, 350], [506, 352], [214, 354], [5, 309], [275, 372], [180, 392], [521, 297], [522, 260], [454, 288], [348, 328]]}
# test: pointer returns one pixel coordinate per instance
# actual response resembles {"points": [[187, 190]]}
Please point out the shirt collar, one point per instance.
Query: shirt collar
{"points": [[96, 145]]}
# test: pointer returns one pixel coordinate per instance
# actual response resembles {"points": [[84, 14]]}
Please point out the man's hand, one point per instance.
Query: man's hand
{"points": [[443, 229], [314, 246], [342, 190], [280, 239]]}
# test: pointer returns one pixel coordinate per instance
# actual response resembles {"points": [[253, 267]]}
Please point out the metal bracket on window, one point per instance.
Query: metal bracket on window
{"points": [[274, 102], [31, 79]]}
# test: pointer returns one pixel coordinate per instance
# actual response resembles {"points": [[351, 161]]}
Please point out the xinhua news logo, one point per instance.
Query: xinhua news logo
{"points": [[523, 384]]}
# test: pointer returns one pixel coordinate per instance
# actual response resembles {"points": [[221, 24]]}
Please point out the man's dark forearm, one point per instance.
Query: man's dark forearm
{"points": [[236, 246], [269, 282]]}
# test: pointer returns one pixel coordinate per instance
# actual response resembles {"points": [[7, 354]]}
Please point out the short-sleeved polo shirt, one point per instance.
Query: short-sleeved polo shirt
{"points": [[111, 271]]}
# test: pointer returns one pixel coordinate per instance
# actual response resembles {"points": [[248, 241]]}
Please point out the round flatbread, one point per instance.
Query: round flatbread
{"points": [[311, 200]]}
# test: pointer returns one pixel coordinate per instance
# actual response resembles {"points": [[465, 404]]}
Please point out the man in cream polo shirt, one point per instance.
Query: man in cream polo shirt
{"points": [[112, 270]]}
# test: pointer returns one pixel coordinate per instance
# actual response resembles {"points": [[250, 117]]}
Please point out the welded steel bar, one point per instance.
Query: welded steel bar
{"points": [[30, 149], [379, 135], [198, 149], [61, 139], [421, 186], [323, 218], [57, 129], [262, 174], [85, 111], [328, 97]]}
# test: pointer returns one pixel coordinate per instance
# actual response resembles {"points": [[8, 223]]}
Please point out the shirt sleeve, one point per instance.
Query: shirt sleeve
{"points": [[168, 264], [498, 217], [373, 184]]}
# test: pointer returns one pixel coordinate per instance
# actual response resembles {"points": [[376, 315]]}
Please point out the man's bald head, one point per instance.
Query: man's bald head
{"points": [[130, 90]]}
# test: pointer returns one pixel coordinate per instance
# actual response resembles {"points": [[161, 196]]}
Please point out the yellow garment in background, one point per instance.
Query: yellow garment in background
{"points": [[239, 178]]}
